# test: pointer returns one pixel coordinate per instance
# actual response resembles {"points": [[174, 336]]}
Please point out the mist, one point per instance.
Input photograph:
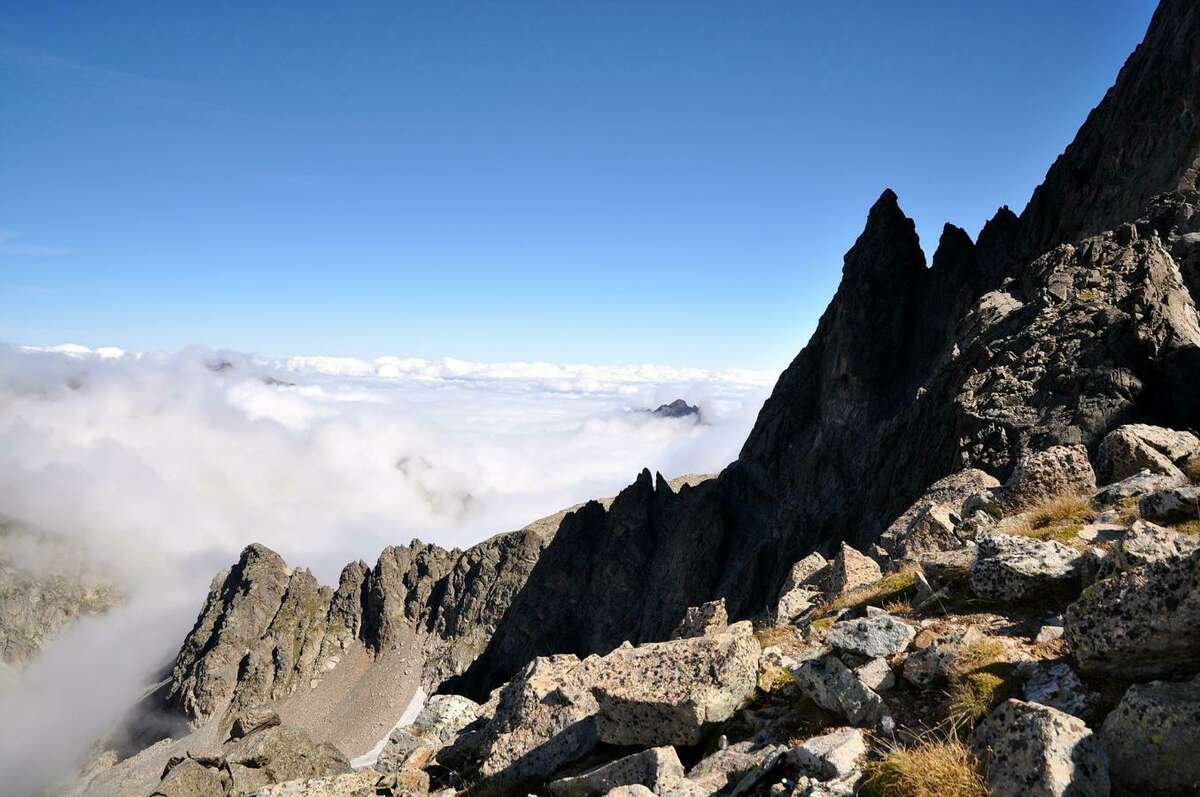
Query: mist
{"points": [[162, 467]]}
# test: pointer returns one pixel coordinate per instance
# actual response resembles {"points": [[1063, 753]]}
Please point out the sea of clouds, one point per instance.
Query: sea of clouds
{"points": [[163, 466]]}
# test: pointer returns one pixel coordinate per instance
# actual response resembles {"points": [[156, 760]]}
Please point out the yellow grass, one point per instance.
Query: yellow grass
{"points": [[778, 635], [1060, 509], [973, 696], [927, 768], [1188, 527], [891, 587]]}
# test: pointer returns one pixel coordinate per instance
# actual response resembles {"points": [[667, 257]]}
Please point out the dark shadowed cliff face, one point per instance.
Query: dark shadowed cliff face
{"points": [[1030, 336]]}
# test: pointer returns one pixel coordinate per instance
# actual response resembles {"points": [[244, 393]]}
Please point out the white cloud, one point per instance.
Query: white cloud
{"points": [[166, 465]]}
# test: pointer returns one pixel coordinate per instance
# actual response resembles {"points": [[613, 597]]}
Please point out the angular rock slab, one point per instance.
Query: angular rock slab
{"points": [[703, 620], [873, 637], [668, 692], [1134, 447], [1172, 505], [658, 769], [1010, 568], [1039, 476], [831, 756], [1030, 750], [1146, 543], [1153, 737], [1141, 624], [851, 570], [834, 686], [1057, 686]]}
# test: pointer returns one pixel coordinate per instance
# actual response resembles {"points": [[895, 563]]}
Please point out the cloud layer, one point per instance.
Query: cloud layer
{"points": [[165, 465]]}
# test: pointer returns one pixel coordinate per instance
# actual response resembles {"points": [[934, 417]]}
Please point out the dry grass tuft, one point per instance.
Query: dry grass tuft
{"points": [[974, 695], [778, 635], [1129, 510], [927, 768], [892, 587], [978, 654], [1188, 527], [775, 679], [901, 606], [1060, 509]]}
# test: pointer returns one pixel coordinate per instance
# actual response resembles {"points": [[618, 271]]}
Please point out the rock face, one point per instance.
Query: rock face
{"points": [[1051, 329], [1031, 750], [45, 585], [1144, 623], [1152, 736]]}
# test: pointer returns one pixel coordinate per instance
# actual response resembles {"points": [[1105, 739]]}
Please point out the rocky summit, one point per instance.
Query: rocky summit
{"points": [[959, 552]]}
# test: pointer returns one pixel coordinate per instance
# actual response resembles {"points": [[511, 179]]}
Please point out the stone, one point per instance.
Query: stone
{"points": [[851, 570], [1146, 543], [1152, 737], [703, 620], [1136, 486], [280, 753], [1011, 568], [1172, 505], [802, 589], [934, 528], [727, 768], [1049, 632], [948, 492], [834, 686], [831, 756], [669, 692], [190, 778], [636, 790], [1139, 624], [252, 719], [1134, 447], [876, 674], [1042, 475], [350, 784], [440, 719], [658, 769], [1057, 685], [948, 568], [1031, 750], [936, 661], [882, 635]]}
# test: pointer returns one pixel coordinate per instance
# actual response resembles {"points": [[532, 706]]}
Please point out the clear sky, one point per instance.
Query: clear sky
{"points": [[670, 182]]}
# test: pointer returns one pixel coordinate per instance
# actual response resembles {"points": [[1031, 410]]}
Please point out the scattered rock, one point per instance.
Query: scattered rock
{"points": [[876, 674], [1172, 505], [832, 756], [936, 661], [1145, 543], [1136, 486], [934, 528], [834, 686], [726, 768], [349, 784], [703, 620], [1152, 737], [658, 769], [882, 635], [1010, 568], [252, 719], [851, 570], [441, 718], [1057, 686], [802, 588], [1031, 750], [949, 492], [1140, 624]]}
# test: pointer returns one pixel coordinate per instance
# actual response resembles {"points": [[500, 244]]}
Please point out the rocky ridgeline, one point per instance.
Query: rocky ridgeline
{"points": [[960, 543]]}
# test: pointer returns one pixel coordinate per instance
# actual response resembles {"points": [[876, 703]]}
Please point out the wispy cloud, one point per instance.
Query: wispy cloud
{"points": [[10, 244]]}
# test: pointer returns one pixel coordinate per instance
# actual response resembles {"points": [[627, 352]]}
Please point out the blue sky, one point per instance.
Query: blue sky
{"points": [[670, 182]]}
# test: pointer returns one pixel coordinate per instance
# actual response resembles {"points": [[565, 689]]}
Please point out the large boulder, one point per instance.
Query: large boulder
{"points": [[1152, 737], [1136, 486], [1135, 447], [934, 528], [1172, 504], [1031, 750], [1042, 475], [1057, 686], [1010, 568], [851, 570], [280, 753], [882, 635], [1140, 624], [658, 769], [669, 692], [833, 686]]}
